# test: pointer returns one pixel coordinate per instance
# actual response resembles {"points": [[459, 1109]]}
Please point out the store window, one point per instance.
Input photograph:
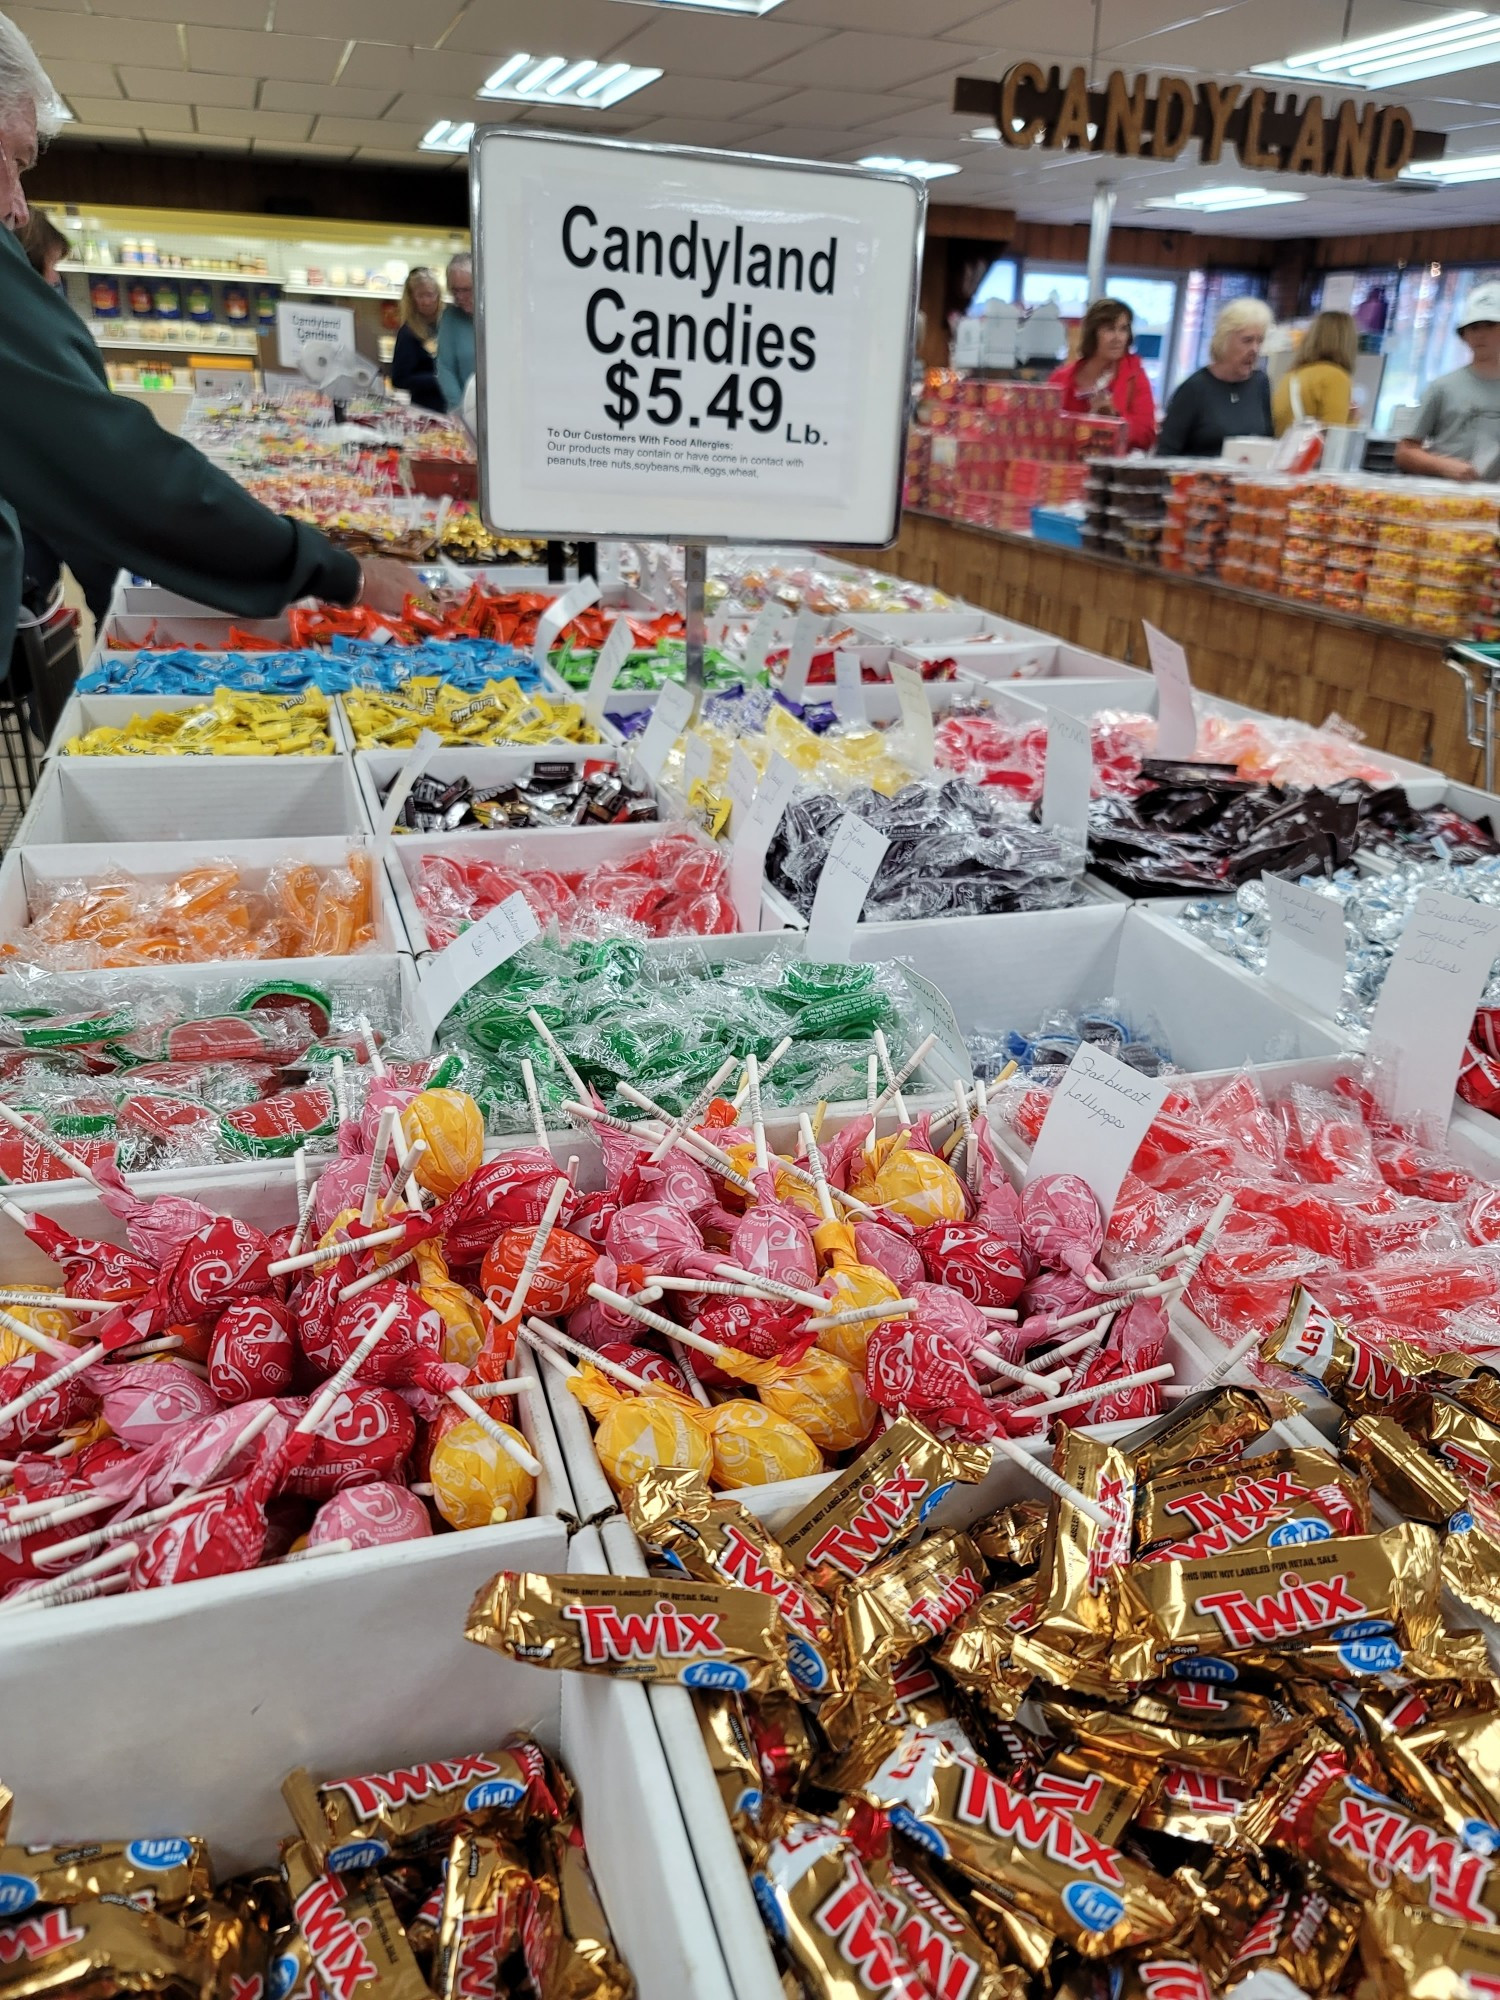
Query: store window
{"points": [[998, 282], [1422, 341]]}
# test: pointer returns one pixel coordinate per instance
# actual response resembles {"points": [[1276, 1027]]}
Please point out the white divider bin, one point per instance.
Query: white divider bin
{"points": [[567, 850], [98, 799], [27, 873], [368, 1672], [965, 625], [84, 712], [482, 764]]}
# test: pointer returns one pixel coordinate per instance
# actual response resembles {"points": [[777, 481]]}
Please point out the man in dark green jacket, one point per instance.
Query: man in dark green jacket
{"points": [[87, 469]]}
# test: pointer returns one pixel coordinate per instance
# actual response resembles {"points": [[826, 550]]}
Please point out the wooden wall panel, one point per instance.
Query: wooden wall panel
{"points": [[1285, 659]]}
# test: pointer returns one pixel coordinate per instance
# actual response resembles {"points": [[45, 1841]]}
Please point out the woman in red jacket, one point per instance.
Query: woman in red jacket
{"points": [[1107, 380]]}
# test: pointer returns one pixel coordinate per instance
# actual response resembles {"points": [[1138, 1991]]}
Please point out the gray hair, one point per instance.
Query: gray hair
{"points": [[462, 262], [23, 81], [1239, 313]]}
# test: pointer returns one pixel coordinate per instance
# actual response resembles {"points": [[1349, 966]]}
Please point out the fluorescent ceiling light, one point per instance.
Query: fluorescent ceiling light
{"points": [[1218, 200], [924, 170], [1446, 43], [1464, 167], [446, 137], [714, 6], [557, 80]]}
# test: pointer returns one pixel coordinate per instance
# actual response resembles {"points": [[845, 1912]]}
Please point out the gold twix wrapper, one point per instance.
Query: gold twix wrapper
{"points": [[1073, 1635], [161, 1874], [92, 1950], [360, 1822], [485, 1886], [718, 1541], [1203, 1430], [914, 1597], [636, 1628], [1409, 1957], [872, 1506], [818, 1901], [1330, 1356], [1355, 1587], [1212, 1513], [1030, 1856], [941, 1940], [356, 1944], [565, 1935]]}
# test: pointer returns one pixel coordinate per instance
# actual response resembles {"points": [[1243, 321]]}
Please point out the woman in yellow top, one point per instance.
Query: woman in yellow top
{"points": [[1324, 374]]}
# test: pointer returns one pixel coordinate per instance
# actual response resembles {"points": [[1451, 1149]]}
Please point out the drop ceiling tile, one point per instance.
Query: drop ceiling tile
{"points": [[231, 52], [376, 66], [939, 123], [119, 111], [335, 99], [185, 86], [276, 149], [892, 17], [498, 28], [208, 13], [1041, 28], [689, 44], [800, 142], [434, 163], [227, 124], [836, 110], [699, 132], [708, 97], [175, 142], [566, 118], [89, 79], [869, 62], [367, 132], [95, 39], [366, 20]]}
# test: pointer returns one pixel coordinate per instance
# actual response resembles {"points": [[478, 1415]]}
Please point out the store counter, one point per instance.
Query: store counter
{"points": [[1283, 658]]}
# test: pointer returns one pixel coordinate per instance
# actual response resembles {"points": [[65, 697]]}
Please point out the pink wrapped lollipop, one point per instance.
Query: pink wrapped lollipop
{"points": [[370, 1517], [1061, 1222]]}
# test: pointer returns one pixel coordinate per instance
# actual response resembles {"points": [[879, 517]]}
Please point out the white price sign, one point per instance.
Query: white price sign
{"points": [[1176, 719], [496, 937], [1098, 1116], [755, 828], [1426, 1006], [853, 862], [1306, 954], [301, 326], [694, 343]]}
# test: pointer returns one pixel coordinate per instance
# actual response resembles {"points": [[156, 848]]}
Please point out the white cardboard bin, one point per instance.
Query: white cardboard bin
{"points": [[923, 628], [368, 1673], [25, 874], [108, 799]]}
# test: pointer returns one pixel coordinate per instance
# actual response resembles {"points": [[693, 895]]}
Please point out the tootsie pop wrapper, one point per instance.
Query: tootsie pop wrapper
{"points": [[357, 1946], [1029, 1856], [1350, 1589], [1275, 1498], [912, 1598], [1368, 1844], [718, 1541], [565, 1936], [94, 1949], [940, 1939], [695, 1635], [874, 1505], [978, 1650], [1077, 1596], [160, 1874], [1328, 1355], [819, 1903], [1407, 1956], [362, 1821], [1307, 1934], [485, 1887], [1204, 1429]]}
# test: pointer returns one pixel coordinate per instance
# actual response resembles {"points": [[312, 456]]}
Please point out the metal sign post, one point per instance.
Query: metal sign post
{"points": [[695, 604], [1479, 703]]}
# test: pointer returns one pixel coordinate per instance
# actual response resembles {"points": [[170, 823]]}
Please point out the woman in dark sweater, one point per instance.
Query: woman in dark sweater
{"points": [[412, 365], [1229, 398]]}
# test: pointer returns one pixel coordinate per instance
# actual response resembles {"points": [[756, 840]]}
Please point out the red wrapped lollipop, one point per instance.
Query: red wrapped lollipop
{"points": [[1061, 1222], [254, 1350], [974, 1260]]}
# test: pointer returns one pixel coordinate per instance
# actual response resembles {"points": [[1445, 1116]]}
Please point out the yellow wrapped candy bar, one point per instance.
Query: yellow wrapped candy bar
{"points": [[756, 1446], [820, 1394], [916, 1185], [236, 723], [851, 1284], [475, 1482], [453, 1126], [499, 713]]}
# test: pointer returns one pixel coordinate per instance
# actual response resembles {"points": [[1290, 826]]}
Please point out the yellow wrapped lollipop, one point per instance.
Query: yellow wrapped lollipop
{"points": [[475, 1481], [851, 1285], [56, 1324], [458, 1309], [639, 1431], [756, 1446], [911, 1183], [819, 1393], [453, 1126]]}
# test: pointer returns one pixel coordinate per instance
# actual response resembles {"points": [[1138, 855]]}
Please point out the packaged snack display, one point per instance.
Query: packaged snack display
{"points": [[233, 725], [547, 795], [501, 712]]}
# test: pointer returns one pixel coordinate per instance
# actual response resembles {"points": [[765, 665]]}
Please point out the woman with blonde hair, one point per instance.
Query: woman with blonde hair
{"points": [[1231, 396], [1320, 383], [413, 365]]}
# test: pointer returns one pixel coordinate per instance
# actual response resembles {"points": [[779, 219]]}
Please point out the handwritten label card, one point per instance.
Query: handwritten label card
{"points": [[741, 786], [1426, 1006], [561, 612], [1099, 1114], [672, 714], [1069, 776], [608, 661], [917, 746], [762, 638], [1176, 723], [1306, 955], [805, 636], [697, 759], [848, 685], [747, 864], [853, 859], [447, 977]]}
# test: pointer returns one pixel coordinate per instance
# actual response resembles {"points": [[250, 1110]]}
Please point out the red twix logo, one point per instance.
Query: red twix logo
{"points": [[380, 1790], [985, 1801], [36, 1937], [745, 1564], [607, 1633], [1378, 1834], [1279, 1614], [336, 1941], [888, 1508]]}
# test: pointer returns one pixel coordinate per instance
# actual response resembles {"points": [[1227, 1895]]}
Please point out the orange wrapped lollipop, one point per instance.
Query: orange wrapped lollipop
{"points": [[452, 1125]]}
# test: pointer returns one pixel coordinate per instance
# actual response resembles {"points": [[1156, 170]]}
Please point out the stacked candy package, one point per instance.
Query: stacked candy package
{"points": [[440, 1878]]}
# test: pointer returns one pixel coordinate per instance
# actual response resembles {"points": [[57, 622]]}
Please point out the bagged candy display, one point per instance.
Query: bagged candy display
{"points": [[676, 887], [1044, 1051], [212, 911], [500, 712], [547, 795], [233, 725]]}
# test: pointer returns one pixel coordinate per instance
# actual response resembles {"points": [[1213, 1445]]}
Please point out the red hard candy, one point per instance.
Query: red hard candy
{"points": [[367, 1434], [560, 1281], [225, 1261]]}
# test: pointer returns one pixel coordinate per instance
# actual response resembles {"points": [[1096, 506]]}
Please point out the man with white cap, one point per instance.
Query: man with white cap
{"points": [[1457, 432]]}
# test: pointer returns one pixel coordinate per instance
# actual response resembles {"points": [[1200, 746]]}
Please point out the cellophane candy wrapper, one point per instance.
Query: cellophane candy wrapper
{"points": [[665, 1022], [678, 886], [955, 851], [233, 724], [500, 711], [762, 721], [223, 1069], [212, 911], [1274, 750], [991, 749], [1042, 1052]]}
